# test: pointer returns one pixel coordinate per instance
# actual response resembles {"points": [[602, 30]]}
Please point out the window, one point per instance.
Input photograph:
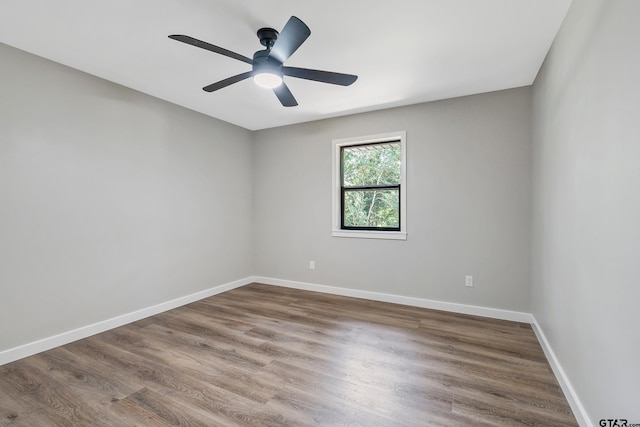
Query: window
{"points": [[369, 188]]}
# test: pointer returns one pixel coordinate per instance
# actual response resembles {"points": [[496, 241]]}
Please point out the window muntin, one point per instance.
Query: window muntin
{"points": [[370, 186]]}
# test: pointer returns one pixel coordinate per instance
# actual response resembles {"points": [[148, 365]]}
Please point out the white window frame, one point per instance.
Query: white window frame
{"points": [[337, 144]]}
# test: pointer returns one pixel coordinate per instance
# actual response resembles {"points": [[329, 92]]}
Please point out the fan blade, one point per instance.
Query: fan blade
{"points": [[320, 76], [285, 96], [294, 33], [204, 45], [227, 82]]}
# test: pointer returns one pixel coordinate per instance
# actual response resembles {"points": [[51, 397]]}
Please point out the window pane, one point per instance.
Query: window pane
{"points": [[376, 164], [372, 208]]}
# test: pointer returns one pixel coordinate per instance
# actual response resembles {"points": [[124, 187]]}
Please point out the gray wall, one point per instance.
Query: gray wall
{"points": [[586, 205], [110, 200], [468, 203]]}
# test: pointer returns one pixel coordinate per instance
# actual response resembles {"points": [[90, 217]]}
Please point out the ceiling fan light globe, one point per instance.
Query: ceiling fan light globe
{"points": [[267, 80]]}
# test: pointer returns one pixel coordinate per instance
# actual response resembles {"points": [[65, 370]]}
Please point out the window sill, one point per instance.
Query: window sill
{"points": [[388, 235]]}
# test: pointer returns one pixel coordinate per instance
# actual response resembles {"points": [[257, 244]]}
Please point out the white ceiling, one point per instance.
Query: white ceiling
{"points": [[404, 51]]}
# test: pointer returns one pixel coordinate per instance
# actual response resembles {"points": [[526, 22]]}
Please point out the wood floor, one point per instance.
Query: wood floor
{"points": [[268, 356]]}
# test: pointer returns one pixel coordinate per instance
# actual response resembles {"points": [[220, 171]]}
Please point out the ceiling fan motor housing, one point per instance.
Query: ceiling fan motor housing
{"points": [[262, 61]]}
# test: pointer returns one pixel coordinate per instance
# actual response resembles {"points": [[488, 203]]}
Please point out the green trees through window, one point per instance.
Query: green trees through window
{"points": [[371, 177]]}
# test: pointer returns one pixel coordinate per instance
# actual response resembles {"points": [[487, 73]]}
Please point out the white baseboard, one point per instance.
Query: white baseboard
{"points": [[493, 313], [569, 392], [35, 347]]}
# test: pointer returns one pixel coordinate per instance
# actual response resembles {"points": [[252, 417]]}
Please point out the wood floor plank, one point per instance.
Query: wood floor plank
{"points": [[263, 355]]}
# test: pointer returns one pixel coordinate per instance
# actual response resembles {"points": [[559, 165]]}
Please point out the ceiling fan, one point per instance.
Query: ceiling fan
{"points": [[267, 65]]}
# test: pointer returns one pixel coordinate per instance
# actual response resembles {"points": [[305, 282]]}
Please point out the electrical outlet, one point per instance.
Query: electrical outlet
{"points": [[468, 281], [312, 265]]}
